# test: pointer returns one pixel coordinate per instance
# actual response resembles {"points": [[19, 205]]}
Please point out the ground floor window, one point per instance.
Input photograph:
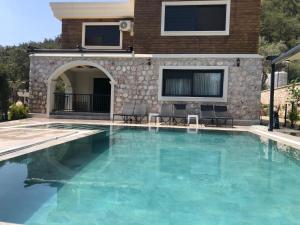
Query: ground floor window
{"points": [[192, 83]]}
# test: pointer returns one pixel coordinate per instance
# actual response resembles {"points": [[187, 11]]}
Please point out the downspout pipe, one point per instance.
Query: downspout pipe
{"points": [[271, 108]]}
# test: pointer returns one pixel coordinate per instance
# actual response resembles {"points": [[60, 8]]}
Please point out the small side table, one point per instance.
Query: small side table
{"points": [[196, 117], [155, 115]]}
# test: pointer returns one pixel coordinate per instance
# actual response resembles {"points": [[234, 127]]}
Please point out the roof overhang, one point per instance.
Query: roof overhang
{"points": [[291, 55], [92, 10]]}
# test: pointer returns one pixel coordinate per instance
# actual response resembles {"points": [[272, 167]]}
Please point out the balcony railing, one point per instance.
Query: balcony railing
{"points": [[81, 103]]}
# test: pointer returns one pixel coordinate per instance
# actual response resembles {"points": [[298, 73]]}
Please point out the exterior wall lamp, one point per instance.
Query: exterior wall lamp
{"points": [[238, 62]]}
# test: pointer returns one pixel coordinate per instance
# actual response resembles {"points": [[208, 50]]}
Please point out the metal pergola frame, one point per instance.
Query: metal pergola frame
{"points": [[291, 55]]}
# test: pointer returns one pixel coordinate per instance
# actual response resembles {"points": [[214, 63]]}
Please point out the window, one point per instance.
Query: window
{"points": [[102, 36], [193, 83], [204, 83], [195, 18]]}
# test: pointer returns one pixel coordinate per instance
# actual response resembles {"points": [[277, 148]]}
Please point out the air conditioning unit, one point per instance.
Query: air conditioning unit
{"points": [[125, 25]]}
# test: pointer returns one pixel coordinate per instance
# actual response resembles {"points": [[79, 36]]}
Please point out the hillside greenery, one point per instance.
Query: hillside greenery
{"points": [[14, 64], [4, 95], [280, 31]]}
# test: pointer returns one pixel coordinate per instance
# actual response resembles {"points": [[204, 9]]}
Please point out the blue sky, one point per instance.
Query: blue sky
{"points": [[28, 20]]}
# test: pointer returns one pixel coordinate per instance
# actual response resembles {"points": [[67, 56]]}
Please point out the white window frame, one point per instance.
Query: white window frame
{"points": [[100, 24], [196, 33], [194, 99]]}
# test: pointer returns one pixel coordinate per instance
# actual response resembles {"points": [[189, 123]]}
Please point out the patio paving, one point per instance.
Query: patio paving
{"points": [[15, 138]]}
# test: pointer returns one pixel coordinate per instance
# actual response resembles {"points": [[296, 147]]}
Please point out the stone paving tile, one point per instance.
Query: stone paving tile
{"points": [[16, 138]]}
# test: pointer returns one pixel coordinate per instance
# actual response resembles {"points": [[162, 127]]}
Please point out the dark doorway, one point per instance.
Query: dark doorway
{"points": [[101, 97]]}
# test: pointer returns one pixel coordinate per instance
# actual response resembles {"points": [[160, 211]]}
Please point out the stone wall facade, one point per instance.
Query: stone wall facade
{"points": [[137, 81]]}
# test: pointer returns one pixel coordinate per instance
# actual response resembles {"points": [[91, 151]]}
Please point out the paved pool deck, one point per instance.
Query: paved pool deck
{"points": [[16, 138]]}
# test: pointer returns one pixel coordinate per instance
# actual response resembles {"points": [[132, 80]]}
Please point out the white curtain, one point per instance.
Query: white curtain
{"points": [[178, 87], [207, 84]]}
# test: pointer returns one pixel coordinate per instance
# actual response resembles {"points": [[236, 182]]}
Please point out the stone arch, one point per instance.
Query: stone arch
{"points": [[76, 63], [62, 69]]}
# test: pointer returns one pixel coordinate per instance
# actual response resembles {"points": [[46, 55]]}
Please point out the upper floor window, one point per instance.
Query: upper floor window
{"points": [[193, 18], [101, 36]]}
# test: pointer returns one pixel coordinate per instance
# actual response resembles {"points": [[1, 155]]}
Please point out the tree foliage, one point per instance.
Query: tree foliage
{"points": [[14, 62], [294, 99], [271, 48], [4, 94], [280, 31], [280, 21]]}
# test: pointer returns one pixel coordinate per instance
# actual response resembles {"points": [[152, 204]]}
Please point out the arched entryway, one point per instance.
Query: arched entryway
{"points": [[87, 88]]}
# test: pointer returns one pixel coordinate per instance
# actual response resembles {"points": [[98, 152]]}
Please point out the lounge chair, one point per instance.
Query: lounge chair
{"points": [[222, 113], [207, 113], [180, 115], [166, 113], [140, 112], [127, 112]]}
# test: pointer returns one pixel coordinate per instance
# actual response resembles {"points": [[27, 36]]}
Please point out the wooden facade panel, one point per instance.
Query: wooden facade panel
{"points": [[243, 38], [72, 33]]}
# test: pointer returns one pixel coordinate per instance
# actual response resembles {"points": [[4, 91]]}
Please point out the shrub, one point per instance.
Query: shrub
{"points": [[18, 111], [293, 115], [265, 110]]}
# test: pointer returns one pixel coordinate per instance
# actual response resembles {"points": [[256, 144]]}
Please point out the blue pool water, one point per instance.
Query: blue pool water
{"points": [[133, 176]]}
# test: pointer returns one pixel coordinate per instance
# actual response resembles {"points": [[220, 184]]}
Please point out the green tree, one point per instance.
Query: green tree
{"points": [[293, 70], [280, 31], [280, 21], [266, 49], [294, 98], [4, 95], [14, 62]]}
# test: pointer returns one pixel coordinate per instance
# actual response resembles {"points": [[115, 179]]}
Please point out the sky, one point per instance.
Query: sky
{"points": [[28, 20]]}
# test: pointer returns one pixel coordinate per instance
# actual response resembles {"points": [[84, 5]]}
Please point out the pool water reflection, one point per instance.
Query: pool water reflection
{"points": [[136, 176]]}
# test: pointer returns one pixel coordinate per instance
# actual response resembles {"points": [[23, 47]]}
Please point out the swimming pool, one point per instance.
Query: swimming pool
{"points": [[136, 176]]}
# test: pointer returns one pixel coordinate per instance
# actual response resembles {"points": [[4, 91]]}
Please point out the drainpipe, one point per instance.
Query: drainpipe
{"points": [[271, 108]]}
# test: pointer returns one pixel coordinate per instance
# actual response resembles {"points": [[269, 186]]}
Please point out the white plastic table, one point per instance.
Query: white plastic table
{"points": [[196, 117], [155, 115]]}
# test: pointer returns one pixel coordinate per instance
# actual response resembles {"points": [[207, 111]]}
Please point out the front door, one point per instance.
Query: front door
{"points": [[101, 97]]}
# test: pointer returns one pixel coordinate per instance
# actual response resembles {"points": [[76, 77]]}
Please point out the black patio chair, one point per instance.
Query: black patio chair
{"points": [[222, 113], [180, 114], [127, 112], [166, 113], [207, 113], [140, 112]]}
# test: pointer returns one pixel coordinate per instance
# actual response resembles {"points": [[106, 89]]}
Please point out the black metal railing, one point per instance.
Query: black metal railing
{"points": [[81, 103]]}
